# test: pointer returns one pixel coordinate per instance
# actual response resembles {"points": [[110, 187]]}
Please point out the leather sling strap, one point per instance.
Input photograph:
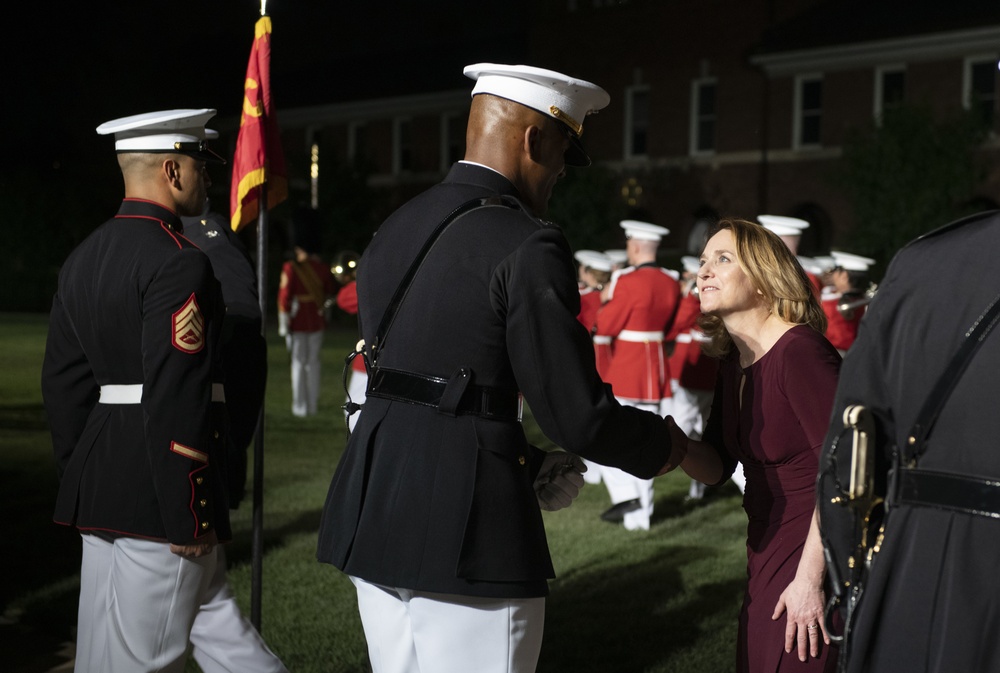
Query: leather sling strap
{"points": [[404, 285], [914, 486], [974, 338], [370, 352], [314, 286]]}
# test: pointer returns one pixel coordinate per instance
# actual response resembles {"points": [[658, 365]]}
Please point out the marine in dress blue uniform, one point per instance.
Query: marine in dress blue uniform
{"points": [[131, 383], [935, 572], [434, 509]]}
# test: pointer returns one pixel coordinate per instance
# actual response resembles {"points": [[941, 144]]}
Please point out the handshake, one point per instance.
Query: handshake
{"points": [[678, 446], [560, 477]]}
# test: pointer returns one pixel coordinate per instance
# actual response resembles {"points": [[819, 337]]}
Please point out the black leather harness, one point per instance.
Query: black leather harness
{"points": [[913, 486], [455, 395]]}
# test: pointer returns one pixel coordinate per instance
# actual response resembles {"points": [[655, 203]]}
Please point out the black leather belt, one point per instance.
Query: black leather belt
{"points": [[972, 495], [454, 396]]}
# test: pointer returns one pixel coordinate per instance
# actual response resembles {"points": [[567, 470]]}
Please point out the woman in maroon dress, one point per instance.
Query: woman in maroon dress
{"points": [[771, 410]]}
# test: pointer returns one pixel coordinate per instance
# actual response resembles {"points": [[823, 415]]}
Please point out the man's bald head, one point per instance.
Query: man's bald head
{"points": [[497, 126], [177, 181], [525, 146], [138, 163]]}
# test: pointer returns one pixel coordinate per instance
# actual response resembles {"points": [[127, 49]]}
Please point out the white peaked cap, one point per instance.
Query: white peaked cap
{"points": [[594, 260], [643, 231], [851, 262], [691, 263], [810, 264], [180, 131], [617, 256], [825, 262], [783, 226], [564, 98]]}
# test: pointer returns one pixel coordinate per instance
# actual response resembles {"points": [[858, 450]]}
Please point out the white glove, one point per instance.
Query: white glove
{"points": [[559, 480], [282, 323]]}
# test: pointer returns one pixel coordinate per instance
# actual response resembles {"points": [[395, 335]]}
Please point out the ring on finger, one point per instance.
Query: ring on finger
{"points": [[813, 627]]}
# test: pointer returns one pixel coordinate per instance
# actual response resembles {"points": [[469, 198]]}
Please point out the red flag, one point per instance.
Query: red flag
{"points": [[258, 160]]}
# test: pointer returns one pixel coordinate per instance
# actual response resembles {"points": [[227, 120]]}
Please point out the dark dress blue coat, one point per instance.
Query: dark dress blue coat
{"points": [[428, 501], [137, 303]]}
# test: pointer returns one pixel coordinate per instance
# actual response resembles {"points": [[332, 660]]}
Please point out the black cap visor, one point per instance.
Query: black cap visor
{"points": [[576, 155], [199, 150]]}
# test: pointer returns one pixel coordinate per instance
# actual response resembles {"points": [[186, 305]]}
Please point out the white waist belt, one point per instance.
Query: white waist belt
{"points": [[688, 337], [132, 394], [641, 337], [602, 340]]}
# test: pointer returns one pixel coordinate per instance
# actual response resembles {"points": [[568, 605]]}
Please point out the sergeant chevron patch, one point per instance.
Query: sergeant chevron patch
{"points": [[189, 327]]}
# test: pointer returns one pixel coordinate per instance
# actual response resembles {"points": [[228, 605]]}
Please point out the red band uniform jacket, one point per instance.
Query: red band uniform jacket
{"points": [[137, 303], [689, 365], [430, 501], [643, 299], [309, 315], [841, 329], [347, 301]]}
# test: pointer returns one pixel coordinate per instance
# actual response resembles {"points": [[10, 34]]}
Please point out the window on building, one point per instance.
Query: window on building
{"points": [[890, 89], [980, 87], [703, 116], [808, 110], [636, 121], [452, 139], [402, 146]]}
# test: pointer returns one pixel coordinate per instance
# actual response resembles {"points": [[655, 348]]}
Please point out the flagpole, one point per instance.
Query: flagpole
{"points": [[257, 544], [257, 541], [259, 181]]}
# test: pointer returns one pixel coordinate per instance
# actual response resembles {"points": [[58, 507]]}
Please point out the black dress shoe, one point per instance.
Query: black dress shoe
{"points": [[616, 513]]}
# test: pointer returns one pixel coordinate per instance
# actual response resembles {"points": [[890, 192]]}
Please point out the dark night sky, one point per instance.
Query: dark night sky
{"points": [[74, 65]]}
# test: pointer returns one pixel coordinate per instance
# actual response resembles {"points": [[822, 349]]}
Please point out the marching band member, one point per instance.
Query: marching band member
{"points": [[844, 302], [642, 303]]}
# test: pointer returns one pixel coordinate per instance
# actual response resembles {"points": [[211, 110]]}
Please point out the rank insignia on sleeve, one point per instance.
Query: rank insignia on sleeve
{"points": [[188, 452], [189, 327]]}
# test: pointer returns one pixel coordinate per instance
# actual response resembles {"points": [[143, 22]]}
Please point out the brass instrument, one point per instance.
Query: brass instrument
{"points": [[846, 308]]}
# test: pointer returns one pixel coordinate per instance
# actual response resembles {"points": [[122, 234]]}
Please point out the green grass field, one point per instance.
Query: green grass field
{"points": [[660, 601]]}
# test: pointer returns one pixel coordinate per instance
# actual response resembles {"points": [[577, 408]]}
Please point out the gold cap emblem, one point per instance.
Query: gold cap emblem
{"points": [[573, 124]]}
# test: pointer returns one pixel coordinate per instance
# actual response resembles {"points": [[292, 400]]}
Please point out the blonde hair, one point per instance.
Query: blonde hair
{"points": [[774, 272]]}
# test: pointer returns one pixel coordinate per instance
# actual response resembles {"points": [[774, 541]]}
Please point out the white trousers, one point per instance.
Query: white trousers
{"points": [[223, 640], [305, 372], [623, 486], [422, 632], [357, 388], [137, 604]]}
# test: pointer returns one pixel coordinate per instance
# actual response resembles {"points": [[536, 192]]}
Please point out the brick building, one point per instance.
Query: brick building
{"points": [[718, 107]]}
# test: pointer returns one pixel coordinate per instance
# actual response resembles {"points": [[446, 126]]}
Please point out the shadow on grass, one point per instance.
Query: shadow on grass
{"points": [[628, 620], [240, 550], [23, 417], [677, 505]]}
